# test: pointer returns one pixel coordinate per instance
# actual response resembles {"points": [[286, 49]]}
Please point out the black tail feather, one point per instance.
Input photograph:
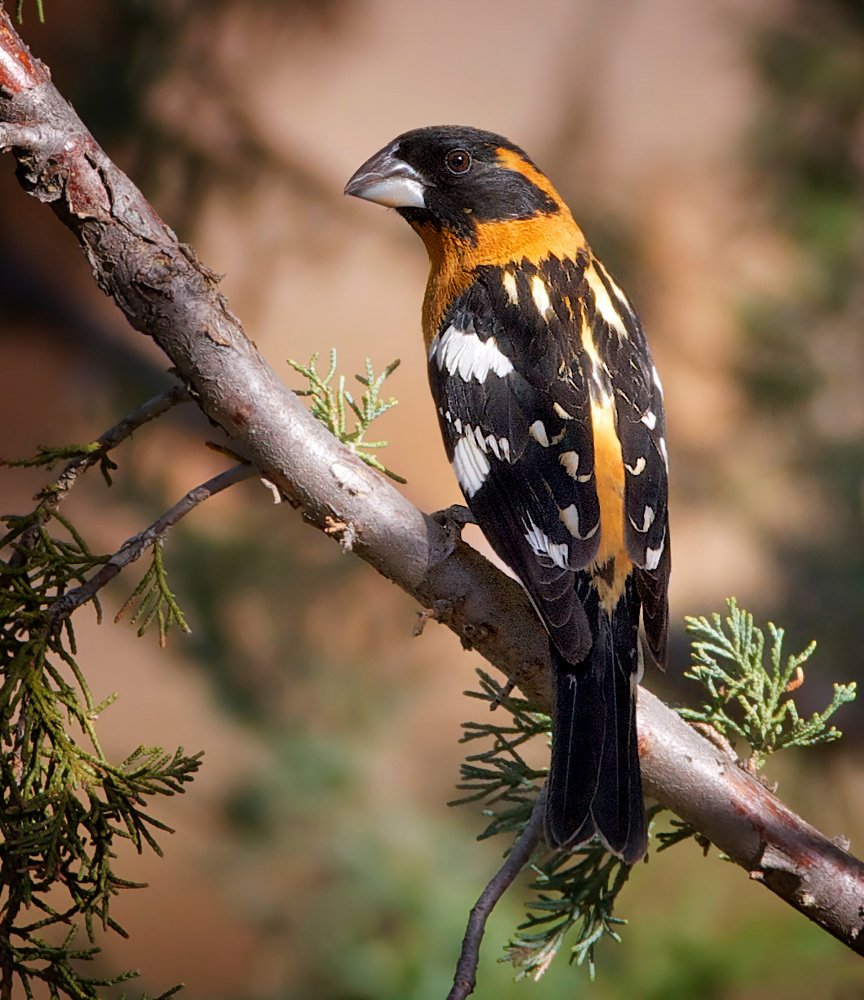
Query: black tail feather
{"points": [[595, 784]]}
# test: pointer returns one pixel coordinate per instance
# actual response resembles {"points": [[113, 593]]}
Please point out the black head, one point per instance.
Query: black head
{"points": [[454, 177]]}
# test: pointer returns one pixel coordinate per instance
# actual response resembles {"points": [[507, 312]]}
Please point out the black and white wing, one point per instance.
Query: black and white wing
{"points": [[515, 416]]}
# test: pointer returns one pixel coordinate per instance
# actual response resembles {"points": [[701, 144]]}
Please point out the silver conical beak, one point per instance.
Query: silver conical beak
{"points": [[389, 181]]}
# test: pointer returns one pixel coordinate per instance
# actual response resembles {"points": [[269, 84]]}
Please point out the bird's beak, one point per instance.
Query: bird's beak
{"points": [[389, 181]]}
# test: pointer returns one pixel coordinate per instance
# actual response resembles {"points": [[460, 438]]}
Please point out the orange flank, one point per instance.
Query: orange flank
{"points": [[611, 566]]}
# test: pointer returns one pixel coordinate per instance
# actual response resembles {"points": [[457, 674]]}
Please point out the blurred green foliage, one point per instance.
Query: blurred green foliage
{"points": [[803, 354], [64, 806]]}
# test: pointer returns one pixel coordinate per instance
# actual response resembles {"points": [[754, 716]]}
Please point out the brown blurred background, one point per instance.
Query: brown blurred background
{"points": [[714, 154]]}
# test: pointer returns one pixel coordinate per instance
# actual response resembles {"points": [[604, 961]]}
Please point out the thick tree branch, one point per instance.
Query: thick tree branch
{"points": [[166, 293]]}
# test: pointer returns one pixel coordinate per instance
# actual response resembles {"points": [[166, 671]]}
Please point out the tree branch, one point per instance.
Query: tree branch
{"points": [[117, 434], [167, 294], [134, 547], [54, 495], [466, 968]]}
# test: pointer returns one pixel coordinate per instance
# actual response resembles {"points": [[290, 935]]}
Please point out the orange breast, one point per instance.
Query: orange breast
{"points": [[453, 260]]}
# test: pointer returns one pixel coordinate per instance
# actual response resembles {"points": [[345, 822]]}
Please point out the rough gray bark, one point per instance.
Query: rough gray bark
{"points": [[167, 294]]}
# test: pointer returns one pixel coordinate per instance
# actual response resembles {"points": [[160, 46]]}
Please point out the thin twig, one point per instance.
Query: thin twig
{"points": [[114, 436], [18, 743], [466, 968], [134, 547], [150, 410]]}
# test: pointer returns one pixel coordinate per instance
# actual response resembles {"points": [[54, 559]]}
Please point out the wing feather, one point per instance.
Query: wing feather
{"points": [[641, 427], [529, 432]]}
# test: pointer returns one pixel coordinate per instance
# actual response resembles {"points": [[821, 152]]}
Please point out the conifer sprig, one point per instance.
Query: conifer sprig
{"points": [[331, 402]]}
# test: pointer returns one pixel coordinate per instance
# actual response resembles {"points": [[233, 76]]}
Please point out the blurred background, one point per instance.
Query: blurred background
{"points": [[714, 155]]}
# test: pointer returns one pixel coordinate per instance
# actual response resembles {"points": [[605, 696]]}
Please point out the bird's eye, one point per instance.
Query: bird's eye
{"points": [[458, 161]]}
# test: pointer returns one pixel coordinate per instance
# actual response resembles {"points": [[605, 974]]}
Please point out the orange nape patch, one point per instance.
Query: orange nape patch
{"points": [[511, 160], [609, 476]]}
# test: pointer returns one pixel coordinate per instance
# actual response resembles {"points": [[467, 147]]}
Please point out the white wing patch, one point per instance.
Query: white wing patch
{"points": [[540, 295], [570, 517], [470, 464], [652, 556], [537, 430], [647, 520], [603, 302], [542, 545], [649, 418], [637, 468], [470, 456], [622, 298], [467, 354], [509, 282], [570, 461]]}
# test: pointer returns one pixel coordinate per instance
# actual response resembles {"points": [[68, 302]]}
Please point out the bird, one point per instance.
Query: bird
{"points": [[551, 411]]}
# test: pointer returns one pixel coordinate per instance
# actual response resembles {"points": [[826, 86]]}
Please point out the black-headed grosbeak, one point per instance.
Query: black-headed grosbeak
{"points": [[552, 416]]}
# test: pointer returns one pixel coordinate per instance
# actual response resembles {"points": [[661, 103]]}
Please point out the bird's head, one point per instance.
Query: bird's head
{"points": [[455, 179]]}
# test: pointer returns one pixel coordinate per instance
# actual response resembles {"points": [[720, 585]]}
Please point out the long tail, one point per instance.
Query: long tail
{"points": [[595, 785]]}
